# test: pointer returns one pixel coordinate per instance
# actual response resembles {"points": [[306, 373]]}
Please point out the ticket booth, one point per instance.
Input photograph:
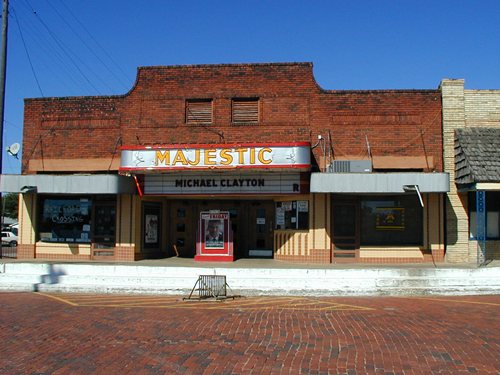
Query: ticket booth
{"points": [[214, 237]]}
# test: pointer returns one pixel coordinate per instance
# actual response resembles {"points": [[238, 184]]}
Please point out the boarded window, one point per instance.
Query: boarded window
{"points": [[199, 111], [245, 111]]}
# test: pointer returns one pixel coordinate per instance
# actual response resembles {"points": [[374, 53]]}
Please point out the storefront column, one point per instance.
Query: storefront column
{"points": [[320, 228], [126, 228], [435, 226], [27, 224]]}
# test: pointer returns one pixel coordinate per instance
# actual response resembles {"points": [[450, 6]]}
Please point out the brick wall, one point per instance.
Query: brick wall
{"points": [[456, 215], [395, 123], [293, 108], [463, 108], [482, 108]]}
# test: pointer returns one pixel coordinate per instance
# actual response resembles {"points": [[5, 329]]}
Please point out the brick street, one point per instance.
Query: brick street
{"points": [[136, 334]]}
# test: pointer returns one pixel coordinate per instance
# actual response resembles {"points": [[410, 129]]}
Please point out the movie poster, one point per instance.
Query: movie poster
{"points": [[151, 230], [214, 233]]}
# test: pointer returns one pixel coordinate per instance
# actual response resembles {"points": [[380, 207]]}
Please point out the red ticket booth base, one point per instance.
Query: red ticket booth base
{"points": [[214, 258]]}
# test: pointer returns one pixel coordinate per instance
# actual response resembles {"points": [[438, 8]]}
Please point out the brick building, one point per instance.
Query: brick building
{"points": [[471, 133], [294, 172]]}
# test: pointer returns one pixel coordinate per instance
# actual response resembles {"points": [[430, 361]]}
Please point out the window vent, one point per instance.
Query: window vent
{"points": [[245, 111], [199, 111], [350, 166]]}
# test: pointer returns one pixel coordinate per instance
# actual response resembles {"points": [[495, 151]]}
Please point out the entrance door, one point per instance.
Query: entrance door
{"points": [[151, 229], [260, 229], [183, 220], [345, 231], [251, 223]]}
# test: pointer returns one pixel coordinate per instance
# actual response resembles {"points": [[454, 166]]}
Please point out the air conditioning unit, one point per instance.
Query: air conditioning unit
{"points": [[350, 166]]}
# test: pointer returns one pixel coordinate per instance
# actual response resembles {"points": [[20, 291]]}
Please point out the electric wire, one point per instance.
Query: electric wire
{"points": [[26, 50], [57, 66], [125, 85], [63, 48], [60, 69]]}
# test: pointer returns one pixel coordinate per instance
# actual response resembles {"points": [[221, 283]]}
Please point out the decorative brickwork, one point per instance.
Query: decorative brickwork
{"points": [[316, 257]]}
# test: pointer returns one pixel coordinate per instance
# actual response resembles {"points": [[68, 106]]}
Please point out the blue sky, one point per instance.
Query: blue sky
{"points": [[93, 47]]}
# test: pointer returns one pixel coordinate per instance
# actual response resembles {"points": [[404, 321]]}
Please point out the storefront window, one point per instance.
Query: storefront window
{"points": [[391, 220], [492, 215], [65, 220], [104, 223], [292, 215]]}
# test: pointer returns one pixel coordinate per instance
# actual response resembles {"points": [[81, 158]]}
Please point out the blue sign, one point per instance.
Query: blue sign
{"points": [[480, 215]]}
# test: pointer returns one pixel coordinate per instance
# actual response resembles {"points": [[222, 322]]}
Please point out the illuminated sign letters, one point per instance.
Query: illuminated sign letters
{"points": [[295, 155]]}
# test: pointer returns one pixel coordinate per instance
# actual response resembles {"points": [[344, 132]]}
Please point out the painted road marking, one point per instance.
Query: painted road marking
{"points": [[458, 301], [59, 299], [244, 303]]}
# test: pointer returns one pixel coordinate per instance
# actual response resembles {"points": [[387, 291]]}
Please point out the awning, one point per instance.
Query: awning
{"points": [[379, 182], [477, 157], [67, 184]]}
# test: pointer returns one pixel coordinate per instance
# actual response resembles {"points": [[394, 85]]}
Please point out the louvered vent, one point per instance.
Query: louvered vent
{"points": [[199, 111], [350, 166], [341, 166], [245, 111]]}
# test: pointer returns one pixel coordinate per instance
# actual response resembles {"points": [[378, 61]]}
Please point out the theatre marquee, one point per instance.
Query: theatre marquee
{"points": [[224, 156]]}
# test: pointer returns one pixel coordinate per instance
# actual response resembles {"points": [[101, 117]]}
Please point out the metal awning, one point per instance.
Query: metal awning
{"points": [[364, 183], [67, 184]]}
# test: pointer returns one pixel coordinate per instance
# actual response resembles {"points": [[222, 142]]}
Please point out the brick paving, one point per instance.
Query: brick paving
{"points": [[109, 334]]}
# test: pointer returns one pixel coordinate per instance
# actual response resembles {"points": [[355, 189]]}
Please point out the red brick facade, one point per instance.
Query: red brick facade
{"points": [[293, 108]]}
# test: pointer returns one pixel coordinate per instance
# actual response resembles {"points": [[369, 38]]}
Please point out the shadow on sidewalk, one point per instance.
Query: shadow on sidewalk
{"points": [[52, 277]]}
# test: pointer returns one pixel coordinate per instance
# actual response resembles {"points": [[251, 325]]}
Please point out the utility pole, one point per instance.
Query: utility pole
{"points": [[3, 69]]}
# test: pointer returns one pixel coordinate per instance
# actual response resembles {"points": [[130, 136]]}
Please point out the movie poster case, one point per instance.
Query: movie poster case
{"points": [[214, 242]]}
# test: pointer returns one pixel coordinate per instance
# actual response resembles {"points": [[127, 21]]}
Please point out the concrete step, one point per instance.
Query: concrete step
{"points": [[110, 278]]}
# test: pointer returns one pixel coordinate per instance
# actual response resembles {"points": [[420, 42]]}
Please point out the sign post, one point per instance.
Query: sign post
{"points": [[481, 226]]}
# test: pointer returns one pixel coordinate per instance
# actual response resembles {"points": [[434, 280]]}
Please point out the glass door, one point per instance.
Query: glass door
{"points": [[104, 230], [151, 229], [345, 231], [182, 229], [260, 229]]}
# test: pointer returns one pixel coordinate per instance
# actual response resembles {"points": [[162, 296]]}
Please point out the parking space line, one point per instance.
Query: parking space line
{"points": [[125, 300], [171, 302], [457, 301], [57, 298]]}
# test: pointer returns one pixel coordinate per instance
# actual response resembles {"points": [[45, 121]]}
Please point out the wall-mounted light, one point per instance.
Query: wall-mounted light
{"points": [[410, 188], [28, 189]]}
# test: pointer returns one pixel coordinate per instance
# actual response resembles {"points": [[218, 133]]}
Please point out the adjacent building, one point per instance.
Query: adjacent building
{"points": [[276, 166], [471, 133]]}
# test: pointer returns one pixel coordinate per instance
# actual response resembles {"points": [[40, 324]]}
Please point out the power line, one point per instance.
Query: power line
{"points": [[26, 50], [89, 47], [49, 50], [63, 48], [57, 50]]}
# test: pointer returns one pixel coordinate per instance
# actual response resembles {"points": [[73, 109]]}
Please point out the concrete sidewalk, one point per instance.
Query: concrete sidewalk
{"points": [[251, 277]]}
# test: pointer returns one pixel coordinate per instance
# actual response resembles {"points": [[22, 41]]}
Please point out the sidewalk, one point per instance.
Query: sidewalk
{"points": [[251, 277]]}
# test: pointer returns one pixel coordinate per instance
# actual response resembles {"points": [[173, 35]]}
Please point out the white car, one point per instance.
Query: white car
{"points": [[9, 238]]}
